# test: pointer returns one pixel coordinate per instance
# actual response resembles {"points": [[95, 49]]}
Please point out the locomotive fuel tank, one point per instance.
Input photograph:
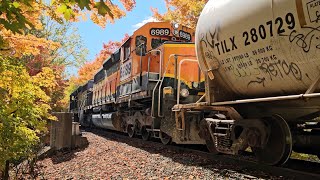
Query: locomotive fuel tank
{"points": [[260, 48], [104, 120]]}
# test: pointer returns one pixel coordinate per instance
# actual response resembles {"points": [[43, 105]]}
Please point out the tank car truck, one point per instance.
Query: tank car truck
{"points": [[137, 86], [261, 61]]}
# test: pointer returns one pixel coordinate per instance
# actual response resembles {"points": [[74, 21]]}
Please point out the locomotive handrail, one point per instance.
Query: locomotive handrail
{"points": [[161, 81], [159, 78], [148, 73], [179, 80], [163, 76], [140, 63]]}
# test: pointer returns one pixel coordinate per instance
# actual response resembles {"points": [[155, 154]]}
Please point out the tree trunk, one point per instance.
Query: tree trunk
{"points": [[5, 173], [31, 166]]}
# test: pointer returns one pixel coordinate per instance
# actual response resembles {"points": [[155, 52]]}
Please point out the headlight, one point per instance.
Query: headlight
{"points": [[175, 25], [184, 92], [195, 84]]}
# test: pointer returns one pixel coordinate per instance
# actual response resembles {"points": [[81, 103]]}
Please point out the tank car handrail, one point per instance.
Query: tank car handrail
{"points": [[179, 80], [268, 99]]}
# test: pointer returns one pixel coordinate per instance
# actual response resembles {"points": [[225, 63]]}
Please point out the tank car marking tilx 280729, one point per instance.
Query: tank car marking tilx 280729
{"points": [[258, 87]]}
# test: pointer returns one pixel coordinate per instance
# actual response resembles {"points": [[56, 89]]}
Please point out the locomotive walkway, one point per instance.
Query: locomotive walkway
{"points": [[115, 156]]}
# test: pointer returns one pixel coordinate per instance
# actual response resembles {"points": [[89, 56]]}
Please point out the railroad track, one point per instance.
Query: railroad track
{"points": [[293, 169], [296, 169]]}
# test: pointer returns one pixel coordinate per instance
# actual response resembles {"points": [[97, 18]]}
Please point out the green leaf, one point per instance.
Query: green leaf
{"points": [[103, 9], [68, 14], [83, 3], [62, 8], [16, 4]]}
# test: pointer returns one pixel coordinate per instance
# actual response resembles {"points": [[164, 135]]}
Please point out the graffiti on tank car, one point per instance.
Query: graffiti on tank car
{"points": [[258, 81], [281, 69], [245, 72], [305, 40], [278, 69]]}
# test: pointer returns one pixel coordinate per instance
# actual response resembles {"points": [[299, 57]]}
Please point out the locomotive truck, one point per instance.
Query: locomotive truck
{"points": [[258, 87]]}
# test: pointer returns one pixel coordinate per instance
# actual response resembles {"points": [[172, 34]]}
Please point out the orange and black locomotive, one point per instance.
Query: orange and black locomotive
{"points": [[137, 86]]}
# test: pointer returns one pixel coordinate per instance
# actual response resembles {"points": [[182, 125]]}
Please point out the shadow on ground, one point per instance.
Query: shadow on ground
{"points": [[66, 154]]}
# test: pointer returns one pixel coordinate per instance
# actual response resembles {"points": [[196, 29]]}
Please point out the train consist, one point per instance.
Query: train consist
{"points": [[258, 86], [137, 86]]}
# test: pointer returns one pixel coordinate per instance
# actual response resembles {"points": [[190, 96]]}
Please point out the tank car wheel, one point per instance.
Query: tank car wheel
{"points": [[145, 134], [279, 144], [131, 130], [165, 138]]}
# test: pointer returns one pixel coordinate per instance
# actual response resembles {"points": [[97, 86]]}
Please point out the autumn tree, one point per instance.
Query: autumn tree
{"points": [[71, 53], [17, 15], [30, 64], [88, 70], [23, 109], [185, 12]]}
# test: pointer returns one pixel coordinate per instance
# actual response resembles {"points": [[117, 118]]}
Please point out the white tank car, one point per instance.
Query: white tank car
{"points": [[259, 48]]}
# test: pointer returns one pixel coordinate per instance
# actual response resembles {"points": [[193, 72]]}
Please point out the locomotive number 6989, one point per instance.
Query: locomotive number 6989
{"points": [[159, 31]]}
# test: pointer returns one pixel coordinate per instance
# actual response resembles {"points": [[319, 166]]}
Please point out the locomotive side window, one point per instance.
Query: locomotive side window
{"points": [[157, 42], [112, 64], [141, 45], [116, 55], [112, 69], [127, 52]]}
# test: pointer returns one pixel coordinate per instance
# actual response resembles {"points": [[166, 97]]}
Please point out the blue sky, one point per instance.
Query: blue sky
{"points": [[94, 36]]}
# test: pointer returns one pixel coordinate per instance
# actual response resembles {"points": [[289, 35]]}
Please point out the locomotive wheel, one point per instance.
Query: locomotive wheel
{"points": [[165, 138], [131, 130], [211, 147], [279, 144], [145, 134]]}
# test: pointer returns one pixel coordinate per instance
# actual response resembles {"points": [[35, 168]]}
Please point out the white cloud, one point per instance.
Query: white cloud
{"points": [[146, 20]]}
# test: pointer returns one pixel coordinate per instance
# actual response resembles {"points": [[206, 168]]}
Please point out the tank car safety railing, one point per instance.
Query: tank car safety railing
{"points": [[163, 76], [308, 94], [179, 74], [268, 99]]}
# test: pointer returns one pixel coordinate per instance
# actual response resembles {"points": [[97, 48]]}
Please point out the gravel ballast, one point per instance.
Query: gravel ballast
{"points": [[114, 156]]}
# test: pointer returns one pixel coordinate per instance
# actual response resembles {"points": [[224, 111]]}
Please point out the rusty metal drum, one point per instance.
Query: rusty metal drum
{"points": [[260, 48]]}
